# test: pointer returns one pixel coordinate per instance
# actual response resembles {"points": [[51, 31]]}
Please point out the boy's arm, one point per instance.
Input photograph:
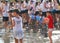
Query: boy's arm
{"points": [[12, 25]]}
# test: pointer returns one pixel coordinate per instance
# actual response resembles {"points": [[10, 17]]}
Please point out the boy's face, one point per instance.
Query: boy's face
{"points": [[14, 14]]}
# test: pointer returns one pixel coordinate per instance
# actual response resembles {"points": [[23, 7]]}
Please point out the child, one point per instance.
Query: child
{"points": [[17, 26], [45, 22], [50, 25]]}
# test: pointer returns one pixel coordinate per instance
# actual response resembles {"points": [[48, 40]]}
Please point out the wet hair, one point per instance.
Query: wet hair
{"points": [[49, 12], [17, 11]]}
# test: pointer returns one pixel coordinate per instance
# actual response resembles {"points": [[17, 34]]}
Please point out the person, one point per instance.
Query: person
{"points": [[17, 5], [17, 26], [50, 25], [31, 5], [24, 12], [38, 7], [43, 8], [5, 14], [32, 22], [41, 25]]}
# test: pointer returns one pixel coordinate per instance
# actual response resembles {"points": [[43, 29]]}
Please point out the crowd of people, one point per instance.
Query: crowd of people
{"points": [[36, 15]]}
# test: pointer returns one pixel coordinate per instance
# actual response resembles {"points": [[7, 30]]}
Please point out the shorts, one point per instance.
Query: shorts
{"points": [[50, 29], [18, 34], [5, 18]]}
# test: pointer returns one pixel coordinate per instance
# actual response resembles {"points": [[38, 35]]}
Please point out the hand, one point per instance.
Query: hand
{"points": [[10, 27]]}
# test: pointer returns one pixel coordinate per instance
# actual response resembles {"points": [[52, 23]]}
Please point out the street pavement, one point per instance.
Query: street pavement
{"points": [[28, 37], [32, 37]]}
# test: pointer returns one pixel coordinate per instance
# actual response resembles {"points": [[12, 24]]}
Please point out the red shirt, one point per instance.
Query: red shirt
{"points": [[50, 24]]}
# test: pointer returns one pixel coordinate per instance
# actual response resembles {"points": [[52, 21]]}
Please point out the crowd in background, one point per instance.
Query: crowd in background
{"points": [[42, 16], [33, 10]]}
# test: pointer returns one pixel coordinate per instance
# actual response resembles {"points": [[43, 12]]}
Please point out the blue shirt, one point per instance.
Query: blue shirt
{"points": [[39, 18], [32, 17]]}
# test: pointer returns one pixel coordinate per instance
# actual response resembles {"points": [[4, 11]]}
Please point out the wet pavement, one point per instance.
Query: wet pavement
{"points": [[31, 37]]}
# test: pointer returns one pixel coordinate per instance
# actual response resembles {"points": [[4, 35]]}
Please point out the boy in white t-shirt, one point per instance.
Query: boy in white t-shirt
{"points": [[17, 26]]}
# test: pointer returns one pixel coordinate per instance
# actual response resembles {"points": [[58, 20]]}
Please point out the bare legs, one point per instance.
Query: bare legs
{"points": [[5, 24], [50, 36], [16, 40], [21, 40]]}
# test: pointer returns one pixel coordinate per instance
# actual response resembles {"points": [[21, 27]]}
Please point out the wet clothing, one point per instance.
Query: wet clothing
{"points": [[18, 29], [50, 24]]}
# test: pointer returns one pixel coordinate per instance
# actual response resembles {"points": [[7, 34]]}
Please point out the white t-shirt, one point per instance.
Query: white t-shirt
{"points": [[5, 10], [17, 29], [18, 23]]}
